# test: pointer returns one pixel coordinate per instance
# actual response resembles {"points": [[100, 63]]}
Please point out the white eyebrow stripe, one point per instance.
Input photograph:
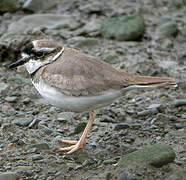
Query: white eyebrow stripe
{"points": [[46, 49], [41, 49]]}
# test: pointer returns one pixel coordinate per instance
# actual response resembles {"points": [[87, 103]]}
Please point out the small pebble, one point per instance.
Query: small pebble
{"points": [[121, 126], [36, 157], [11, 99], [148, 112], [22, 121], [180, 102], [26, 100], [107, 119]]}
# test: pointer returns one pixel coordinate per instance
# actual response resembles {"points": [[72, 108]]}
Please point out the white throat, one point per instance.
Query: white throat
{"points": [[33, 65]]}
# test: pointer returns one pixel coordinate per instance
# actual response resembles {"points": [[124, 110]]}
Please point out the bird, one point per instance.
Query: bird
{"points": [[75, 81]]}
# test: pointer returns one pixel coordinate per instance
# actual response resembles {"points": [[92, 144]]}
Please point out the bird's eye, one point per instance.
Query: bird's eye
{"points": [[39, 54]]}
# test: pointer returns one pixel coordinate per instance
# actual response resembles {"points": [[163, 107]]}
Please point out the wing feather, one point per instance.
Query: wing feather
{"points": [[79, 74]]}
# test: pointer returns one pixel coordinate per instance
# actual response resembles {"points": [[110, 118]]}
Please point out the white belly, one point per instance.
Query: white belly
{"points": [[72, 103]]}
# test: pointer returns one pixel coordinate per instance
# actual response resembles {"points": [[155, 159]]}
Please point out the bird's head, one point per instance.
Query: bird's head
{"points": [[38, 53]]}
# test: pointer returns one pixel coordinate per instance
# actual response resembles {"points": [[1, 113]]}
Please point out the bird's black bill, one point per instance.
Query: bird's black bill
{"points": [[17, 63]]}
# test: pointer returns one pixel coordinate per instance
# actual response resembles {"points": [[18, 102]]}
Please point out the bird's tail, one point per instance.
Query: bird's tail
{"points": [[135, 81]]}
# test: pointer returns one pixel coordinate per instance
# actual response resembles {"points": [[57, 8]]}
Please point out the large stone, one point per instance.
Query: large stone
{"points": [[124, 27], [39, 5], [49, 21], [156, 155], [9, 5]]}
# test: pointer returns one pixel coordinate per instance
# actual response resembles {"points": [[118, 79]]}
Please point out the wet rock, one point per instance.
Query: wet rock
{"points": [[9, 176], [22, 121], [179, 102], [39, 5], [168, 29], [11, 99], [120, 126], [123, 27], [9, 5], [156, 155]]}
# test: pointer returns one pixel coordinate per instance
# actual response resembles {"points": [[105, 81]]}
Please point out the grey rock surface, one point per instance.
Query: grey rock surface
{"points": [[9, 176], [39, 5], [49, 21], [124, 27], [9, 5], [156, 155]]}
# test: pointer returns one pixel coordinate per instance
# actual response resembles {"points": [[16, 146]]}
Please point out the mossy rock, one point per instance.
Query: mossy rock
{"points": [[9, 5], [123, 28], [156, 155]]}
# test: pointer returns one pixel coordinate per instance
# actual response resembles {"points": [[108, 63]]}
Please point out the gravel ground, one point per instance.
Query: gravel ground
{"points": [[30, 129]]}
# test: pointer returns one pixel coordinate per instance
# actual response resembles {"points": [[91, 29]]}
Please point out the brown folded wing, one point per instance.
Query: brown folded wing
{"points": [[79, 74]]}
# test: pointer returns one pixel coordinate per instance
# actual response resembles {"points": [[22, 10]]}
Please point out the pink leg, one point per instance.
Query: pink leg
{"points": [[80, 143]]}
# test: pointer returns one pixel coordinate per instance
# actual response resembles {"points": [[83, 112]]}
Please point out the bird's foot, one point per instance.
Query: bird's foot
{"points": [[77, 145]]}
